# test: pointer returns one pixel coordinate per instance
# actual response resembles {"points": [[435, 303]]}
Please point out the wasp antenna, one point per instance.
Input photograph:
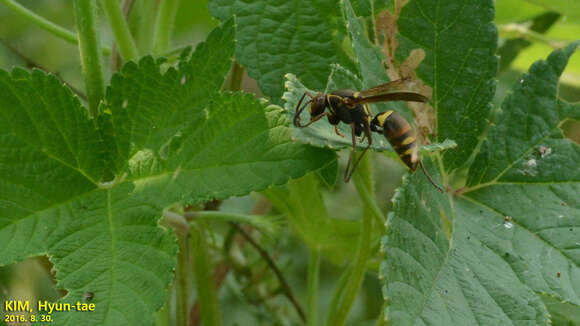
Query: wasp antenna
{"points": [[299, 111], [429, 177]]}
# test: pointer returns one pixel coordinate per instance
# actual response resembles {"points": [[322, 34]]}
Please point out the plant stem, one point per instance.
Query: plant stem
{"points": [[45, 24], [362, 179], [335, 300], [182, 280], [313, 273], [143, 24], [206, 292], [164, 25], [90, 50], [125, 42], [365, 187]]}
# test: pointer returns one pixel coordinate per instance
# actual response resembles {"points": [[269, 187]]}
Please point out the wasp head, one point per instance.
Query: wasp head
{"points": [[317, 106]]}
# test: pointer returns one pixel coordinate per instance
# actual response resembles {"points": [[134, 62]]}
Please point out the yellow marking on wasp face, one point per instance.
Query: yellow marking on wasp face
{"points": [[408, 140], [383, 116], [356, 94]]}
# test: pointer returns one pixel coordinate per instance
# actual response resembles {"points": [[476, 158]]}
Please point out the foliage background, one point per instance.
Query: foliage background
{"points": [[193, 24]]}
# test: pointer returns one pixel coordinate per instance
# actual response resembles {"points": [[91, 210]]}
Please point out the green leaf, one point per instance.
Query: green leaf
{"points": [[562, 312], [106, 241], [277, 37], [239, 145], [513, 11], [492, 254], [168, 137], [369, 57], [328, 174], [526, 143], [146, 108], [303, 205], [564, 7], [511, 48], [460, 42], [437, 147], [446, 265], [369, 61]]}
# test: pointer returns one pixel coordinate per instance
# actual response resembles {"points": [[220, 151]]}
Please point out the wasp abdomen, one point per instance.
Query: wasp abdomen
{"points": [[401, 136]]}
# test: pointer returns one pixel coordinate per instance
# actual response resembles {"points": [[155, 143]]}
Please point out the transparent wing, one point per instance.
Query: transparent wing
{"points": [[396, 96]]}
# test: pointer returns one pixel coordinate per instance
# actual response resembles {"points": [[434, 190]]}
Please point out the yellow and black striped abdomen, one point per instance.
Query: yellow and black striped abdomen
{"points": [[401, 136]]}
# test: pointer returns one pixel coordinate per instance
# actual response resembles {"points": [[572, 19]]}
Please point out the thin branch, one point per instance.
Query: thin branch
{"points": [[285, 287], [115, 57], [33, 64], [45, 24]]}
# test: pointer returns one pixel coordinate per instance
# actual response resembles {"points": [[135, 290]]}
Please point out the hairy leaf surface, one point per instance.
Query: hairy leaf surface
{"points": [[459, 40], [278, 37], [165, 137], [505, 249]]}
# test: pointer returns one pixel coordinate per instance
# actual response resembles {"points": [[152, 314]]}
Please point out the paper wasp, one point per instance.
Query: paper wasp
{"points": [[351, 107]]}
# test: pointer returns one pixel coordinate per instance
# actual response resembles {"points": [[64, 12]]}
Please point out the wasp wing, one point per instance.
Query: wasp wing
{"points": [[405, 84], [396, 96]]}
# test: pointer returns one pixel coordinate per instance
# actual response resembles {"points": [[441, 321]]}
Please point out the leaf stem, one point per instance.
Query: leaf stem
{"points": [[46, 24], [313, 273], [205, 284], [337, 295], [362, 179], [182, 280], [164, 25], [125, 42], [90, 50], [143, 24]]}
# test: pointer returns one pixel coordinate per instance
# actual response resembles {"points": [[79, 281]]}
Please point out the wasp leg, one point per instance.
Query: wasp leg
{"points": [[430, 179], [313, 120], [338, 132], [370, 142], [348, 171]]}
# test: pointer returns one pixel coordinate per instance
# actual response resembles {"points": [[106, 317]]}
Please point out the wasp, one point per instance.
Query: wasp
{"points": [[351, 107]]}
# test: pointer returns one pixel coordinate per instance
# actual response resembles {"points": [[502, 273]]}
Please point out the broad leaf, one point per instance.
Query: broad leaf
{"points": [[105, 241], [568, 8], [504, 250], [277, 37], [460, 42], [303, 205], [167, 137], [146, 108]]}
